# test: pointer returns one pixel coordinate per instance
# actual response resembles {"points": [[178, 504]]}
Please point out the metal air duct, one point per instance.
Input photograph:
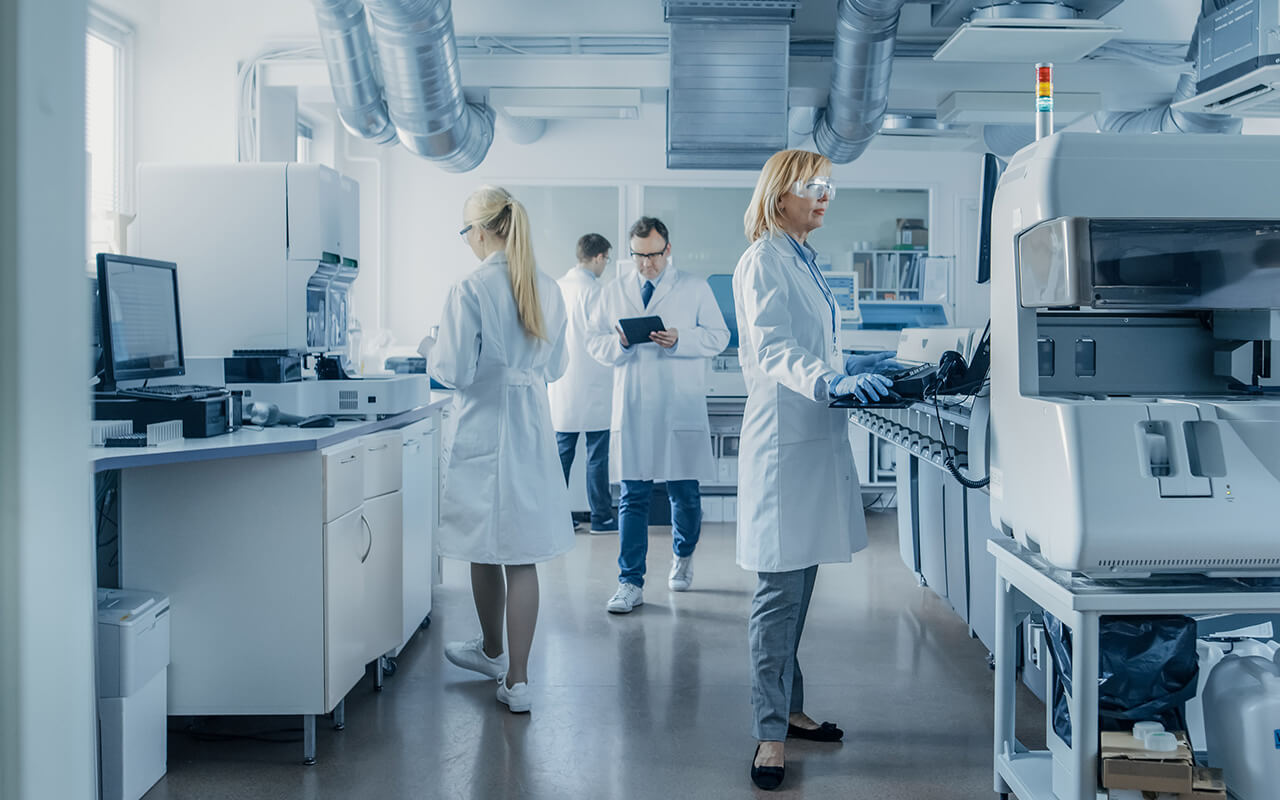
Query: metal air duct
{"points": [[863, 62], [419, 59], [1166, 119], [348, 52]]}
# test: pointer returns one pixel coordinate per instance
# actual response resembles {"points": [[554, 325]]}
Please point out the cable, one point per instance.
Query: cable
{"points": [[950, 460]]}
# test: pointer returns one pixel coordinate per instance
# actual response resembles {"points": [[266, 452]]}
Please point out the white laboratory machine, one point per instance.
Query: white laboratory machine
{"points": [[267, 255], [1135, 423], [133, 660]]}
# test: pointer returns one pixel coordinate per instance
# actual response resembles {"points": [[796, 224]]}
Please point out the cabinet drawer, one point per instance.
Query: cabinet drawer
{"points": [[382, 463], [343, 478]]}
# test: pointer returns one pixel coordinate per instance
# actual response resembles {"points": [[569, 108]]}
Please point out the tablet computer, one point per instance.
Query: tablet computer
{"points": [[637, 329]]}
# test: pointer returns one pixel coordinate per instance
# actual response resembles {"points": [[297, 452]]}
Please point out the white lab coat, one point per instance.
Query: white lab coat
{"points": [[659, 430], [503, 499], [582, 399], [798, 490]]}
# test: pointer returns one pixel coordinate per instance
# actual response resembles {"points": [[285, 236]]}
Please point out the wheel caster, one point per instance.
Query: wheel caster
{"points": [[308, 762], [426, 623], [340, 726], [389, 666]]}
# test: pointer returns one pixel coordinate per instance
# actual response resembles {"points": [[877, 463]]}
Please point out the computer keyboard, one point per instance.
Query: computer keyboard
{"points": [[172, 391]]}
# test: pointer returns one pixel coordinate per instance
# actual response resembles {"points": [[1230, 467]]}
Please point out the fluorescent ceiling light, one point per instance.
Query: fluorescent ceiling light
{"points": [[967, 108], [567, 103], [1026, 41]]}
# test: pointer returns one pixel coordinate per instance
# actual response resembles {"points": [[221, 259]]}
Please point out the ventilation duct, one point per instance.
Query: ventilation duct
{"points": [[863, 63], [727, 105], [1166, 119], [348, 52]]}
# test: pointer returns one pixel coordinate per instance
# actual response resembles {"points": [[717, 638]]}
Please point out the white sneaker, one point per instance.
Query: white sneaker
{"points": [[681, 576], [470, 655], [517, 697], [626, 598]]}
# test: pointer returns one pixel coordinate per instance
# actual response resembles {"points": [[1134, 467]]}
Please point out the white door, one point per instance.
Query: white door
{"points": [[345, 541], [383, 606]]}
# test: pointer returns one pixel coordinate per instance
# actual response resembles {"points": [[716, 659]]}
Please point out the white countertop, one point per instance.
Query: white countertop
{"points": [[255, 441]]}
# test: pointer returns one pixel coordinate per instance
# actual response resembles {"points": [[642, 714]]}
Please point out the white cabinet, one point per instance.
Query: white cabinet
{"points": [[383, 607], [344, 584], [420, 470]]}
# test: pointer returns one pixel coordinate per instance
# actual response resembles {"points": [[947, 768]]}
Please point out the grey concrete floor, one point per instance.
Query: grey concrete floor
{"points": [[655, 704]]}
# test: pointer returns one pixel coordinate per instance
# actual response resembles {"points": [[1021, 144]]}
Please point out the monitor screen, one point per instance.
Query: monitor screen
{"points": [[141, 331], [991, 169]]}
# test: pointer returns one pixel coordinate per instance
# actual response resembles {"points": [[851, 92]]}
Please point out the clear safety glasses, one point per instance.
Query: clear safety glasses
{"points": [[814, 189]]}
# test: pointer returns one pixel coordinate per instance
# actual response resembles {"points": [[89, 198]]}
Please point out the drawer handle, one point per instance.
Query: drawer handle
{"points": [[369, 530], [347, 460], [382, 446], [410, 442]]}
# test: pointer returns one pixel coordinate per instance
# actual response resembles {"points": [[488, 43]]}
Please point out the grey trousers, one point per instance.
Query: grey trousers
{"points": [[778, 610]]}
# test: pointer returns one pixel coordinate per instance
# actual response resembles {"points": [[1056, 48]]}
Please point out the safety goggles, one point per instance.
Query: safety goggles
{"points": [[814, 189]]}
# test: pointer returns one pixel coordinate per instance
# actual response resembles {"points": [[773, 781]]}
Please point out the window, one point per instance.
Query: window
{"points": [[107, 148], [306, 137]]}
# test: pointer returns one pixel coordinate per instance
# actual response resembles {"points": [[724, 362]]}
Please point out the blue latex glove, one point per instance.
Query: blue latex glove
{"points": [[867, 387], [880, 363]]}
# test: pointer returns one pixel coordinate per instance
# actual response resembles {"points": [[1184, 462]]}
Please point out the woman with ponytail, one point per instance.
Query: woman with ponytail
{"points": [[503, 506]]}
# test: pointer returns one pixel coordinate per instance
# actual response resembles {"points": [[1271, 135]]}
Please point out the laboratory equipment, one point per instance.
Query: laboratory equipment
{"points": [[1135, 306], [1242, 724], [272, 252], [1237, 60], [200, 416], [133, 659]]}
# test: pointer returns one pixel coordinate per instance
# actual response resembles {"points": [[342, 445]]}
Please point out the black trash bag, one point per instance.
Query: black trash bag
{"points": [[1147, 670]]}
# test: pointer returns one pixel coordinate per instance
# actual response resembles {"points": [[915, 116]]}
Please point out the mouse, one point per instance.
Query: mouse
{"points": [[317, 421]]}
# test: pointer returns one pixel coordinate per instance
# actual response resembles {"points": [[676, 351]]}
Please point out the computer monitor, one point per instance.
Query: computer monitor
{"points": [[141, 327], [991, 169]]}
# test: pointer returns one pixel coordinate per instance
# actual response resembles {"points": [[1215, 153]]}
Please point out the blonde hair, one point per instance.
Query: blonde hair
{"points": [[782, 170], [494, 210]]}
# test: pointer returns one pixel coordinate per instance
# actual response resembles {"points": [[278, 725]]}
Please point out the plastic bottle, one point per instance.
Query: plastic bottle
{"points": [[1242, 725]]}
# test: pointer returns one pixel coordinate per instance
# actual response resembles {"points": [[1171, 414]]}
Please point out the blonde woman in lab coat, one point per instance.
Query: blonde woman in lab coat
{"points": [[504, 506], [798, 492]]}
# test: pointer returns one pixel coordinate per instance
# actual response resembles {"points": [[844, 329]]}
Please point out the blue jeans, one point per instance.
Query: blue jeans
{"points": [[598, 495], [633, 518]]}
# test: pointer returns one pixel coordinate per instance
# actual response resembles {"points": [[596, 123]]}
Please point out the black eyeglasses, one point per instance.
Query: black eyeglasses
{"points": [[463, 232], [648, 256]]}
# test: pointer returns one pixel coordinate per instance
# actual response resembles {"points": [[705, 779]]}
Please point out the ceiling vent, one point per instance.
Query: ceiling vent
{"points": [[566, 103], [1028, 32], [914, 125], [1238, 61], [727, 105]]}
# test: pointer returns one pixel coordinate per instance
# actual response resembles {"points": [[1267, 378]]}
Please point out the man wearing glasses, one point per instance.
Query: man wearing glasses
{"points": [[659, 429], [581, 399]]}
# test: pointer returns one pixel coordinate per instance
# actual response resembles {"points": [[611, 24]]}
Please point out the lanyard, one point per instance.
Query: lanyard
{"points": [[826, 290]]}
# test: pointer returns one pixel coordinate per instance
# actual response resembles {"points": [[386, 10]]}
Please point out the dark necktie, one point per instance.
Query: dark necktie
{"points": [[646, 292]]}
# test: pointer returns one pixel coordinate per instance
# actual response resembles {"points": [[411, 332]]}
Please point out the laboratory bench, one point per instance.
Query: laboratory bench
{"points": [[292, 558]]}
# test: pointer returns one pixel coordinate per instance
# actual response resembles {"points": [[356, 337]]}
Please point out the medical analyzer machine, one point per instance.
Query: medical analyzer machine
{"points": [[1135, 301], [267, 255]]}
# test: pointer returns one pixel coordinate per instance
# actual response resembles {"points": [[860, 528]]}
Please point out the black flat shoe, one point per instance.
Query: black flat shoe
{"points": [[826, 732], [767, 778]]}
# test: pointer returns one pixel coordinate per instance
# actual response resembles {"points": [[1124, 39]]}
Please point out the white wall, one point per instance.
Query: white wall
{"points": [[47, 600]]}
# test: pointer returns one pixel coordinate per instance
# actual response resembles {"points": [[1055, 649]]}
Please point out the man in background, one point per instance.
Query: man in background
{"points": [[582, 400], [660, 429]]}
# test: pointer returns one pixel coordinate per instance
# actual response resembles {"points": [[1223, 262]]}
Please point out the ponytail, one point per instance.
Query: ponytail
{"points": [[524, 272], [503, 216]]}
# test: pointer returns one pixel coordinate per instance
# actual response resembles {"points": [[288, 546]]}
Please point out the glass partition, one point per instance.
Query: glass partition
{"points": [[559, 215]]}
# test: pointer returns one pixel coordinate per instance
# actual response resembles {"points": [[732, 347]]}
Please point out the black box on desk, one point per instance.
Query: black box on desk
{"points": [[252, 366], [201, 418]]}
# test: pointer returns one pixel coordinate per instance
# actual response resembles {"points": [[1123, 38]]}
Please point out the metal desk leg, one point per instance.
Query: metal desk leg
{"points": [[377, 674], [308, 739], [1084, 705], [340, 715], [1006, 679]]}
